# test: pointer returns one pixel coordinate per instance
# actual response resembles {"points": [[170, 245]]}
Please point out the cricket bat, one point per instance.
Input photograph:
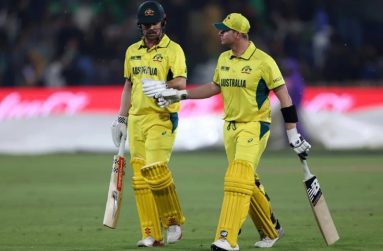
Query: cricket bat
{"points": [[114, 199], [319, 206]]}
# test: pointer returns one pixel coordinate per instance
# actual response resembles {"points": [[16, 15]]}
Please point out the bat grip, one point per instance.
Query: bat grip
{"points": [[306, 170], [121, 149]]}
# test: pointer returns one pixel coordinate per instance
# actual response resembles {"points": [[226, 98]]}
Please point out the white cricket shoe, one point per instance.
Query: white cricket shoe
{"points": [[174, 234], [149, 242], [223, 245], [266, 242]]}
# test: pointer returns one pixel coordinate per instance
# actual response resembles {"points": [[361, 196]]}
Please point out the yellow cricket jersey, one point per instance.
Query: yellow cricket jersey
{"points": [[245, 83], [164, 61]]}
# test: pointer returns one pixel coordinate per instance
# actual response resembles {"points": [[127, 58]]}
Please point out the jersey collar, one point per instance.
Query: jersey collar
{"points": [[247, 54], [164, 42]]}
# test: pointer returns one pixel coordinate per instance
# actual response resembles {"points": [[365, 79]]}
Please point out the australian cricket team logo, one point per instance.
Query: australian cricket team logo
{"points": [[158, 58], [247, 69], [149, 13]]}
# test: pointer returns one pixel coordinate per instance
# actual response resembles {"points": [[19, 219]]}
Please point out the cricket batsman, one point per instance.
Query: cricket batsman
{"points": [[244, 75], [152, 130]]}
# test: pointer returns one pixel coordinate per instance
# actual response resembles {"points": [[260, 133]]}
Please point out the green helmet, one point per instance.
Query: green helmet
{"points": [[150, 12]]}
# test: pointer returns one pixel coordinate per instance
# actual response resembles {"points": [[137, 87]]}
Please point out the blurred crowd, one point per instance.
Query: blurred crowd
{"points": [[83, 42]]}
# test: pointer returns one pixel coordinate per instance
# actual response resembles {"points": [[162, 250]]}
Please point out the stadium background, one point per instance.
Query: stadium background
{"points": [[61, 66], [74, 42]]}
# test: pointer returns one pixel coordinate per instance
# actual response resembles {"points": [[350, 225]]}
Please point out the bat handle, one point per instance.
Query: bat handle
{"points": [[121, 149], [306, 170]]}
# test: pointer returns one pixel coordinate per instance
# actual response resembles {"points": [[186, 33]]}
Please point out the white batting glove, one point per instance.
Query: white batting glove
{"points": [[152, 87], [161, 102], [170, 96], [119, 129], [298, 143]]}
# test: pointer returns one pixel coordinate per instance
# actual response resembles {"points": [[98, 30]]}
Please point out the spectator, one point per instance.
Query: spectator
{"points": [[75, 42]]}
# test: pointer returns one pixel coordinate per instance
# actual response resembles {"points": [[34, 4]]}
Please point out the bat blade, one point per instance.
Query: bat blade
{"points": [[114, 198], [321, 211]]}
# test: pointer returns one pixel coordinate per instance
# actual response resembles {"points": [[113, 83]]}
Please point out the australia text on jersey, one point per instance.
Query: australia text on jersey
{"points": [[232, 82], [145, 70]]}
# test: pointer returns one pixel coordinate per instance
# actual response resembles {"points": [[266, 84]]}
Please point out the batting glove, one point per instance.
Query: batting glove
{"points": [[152, 87], [298, 143], [119, 129], [170, 96], [161, 102]]}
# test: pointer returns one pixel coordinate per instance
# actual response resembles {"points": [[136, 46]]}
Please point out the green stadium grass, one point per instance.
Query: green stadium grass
{"points": [[56, 202]]}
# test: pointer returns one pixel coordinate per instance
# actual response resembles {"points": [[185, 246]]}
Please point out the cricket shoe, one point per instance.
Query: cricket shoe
{"points": [[174, 234], [149, 242], [267, 242], [223, 245]]}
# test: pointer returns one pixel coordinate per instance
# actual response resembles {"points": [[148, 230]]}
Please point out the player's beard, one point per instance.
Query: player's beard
{"points": [[153, 35]]}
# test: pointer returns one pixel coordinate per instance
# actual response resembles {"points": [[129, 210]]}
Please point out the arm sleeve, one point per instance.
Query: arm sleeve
{"points": [[271, 74], [178, 63], [127, 68], [216, 77]]}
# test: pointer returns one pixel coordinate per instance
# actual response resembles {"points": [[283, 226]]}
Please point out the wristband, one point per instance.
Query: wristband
{"points": [[289, 114]]}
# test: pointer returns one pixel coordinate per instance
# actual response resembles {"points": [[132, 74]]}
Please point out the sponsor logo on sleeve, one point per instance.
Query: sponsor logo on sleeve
{"points": [[277, 79]]}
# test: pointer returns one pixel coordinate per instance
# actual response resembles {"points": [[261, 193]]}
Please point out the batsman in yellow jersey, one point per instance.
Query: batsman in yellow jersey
{"points": [[244, 75], [152, 130]]}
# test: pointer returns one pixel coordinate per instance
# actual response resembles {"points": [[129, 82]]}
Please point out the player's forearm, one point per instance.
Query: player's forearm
{"points": [[283, 96], [285, 101], [204, 91], [178, 83], [125, 99]]}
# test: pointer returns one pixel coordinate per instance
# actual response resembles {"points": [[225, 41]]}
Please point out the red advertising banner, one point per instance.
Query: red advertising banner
{"points": [[342, 99], [34, 102], [40, 102]]}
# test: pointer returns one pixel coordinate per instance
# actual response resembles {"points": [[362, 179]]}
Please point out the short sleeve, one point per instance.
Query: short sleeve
{"points": [[178, 63], [216, 77], [271, 74], [127, 68]]}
